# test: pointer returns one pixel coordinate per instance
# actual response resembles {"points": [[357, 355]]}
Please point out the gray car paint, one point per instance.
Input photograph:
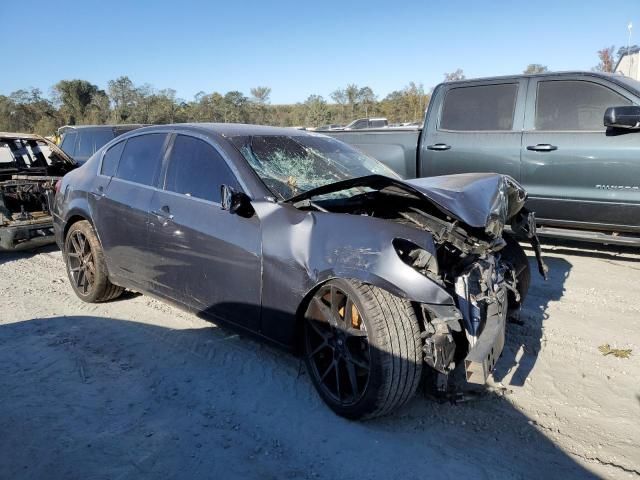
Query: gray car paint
{"points": [[269, 262]]}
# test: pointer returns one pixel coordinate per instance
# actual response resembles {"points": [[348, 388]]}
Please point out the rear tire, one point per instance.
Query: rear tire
{"points": [[86, 267], [386, 339]]}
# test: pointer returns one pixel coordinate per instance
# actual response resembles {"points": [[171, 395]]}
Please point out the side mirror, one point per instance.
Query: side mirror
{"points": [[234, 202], [627, 117]]}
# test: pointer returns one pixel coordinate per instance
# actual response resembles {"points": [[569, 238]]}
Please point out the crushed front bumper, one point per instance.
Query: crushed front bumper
{"points": [[481, 359], [25, 235]]}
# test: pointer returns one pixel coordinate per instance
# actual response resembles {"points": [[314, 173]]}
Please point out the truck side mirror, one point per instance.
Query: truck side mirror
{"points": [[235, 202], [627, 117]]}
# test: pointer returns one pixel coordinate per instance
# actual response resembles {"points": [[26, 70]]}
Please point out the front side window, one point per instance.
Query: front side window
{"points": [[197, 169], [141, 158], [574, 105], [481, 107], [291, 165], [69, 143], [111, 158]]}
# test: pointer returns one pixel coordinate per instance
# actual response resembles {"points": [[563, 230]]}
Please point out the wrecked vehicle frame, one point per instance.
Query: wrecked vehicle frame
{"points": [[307, 242], [30, 166]]}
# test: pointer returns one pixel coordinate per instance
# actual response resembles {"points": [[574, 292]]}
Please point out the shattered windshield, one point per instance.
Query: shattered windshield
{"points": [[291, 165]]}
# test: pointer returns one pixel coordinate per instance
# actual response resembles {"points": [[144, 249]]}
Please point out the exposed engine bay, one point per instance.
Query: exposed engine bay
{"points": [[483, 268], [30, 166]]}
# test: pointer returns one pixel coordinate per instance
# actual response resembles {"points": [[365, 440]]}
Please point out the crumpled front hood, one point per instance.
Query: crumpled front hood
{"points": [[474, 198]]}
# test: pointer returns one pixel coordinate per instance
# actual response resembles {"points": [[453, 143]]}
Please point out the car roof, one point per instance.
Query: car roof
{"points": [[23, 136], [229, 129], [121, 126]]}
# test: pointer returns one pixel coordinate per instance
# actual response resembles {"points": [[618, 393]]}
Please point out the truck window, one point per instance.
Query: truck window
{"points": [[573, 105], [69, 143], [479, 107]]}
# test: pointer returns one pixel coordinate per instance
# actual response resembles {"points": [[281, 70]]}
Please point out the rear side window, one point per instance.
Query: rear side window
{"points": [[197, 169], [141, 158], [574, 105], [102, 137], [85, 144], [482, 107], [69, 143], [91, 140], [111, 158]]}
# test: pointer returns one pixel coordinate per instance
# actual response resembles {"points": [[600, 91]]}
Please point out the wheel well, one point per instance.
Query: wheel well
{"points": [[73, 219], [298, 335], [298, 346]]}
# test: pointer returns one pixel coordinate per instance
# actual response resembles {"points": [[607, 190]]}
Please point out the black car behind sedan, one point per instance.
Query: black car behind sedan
{"points": [[304, 241]]}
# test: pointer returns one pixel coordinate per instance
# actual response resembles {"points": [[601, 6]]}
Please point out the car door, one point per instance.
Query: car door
{"points": [[475, 128], [122, 205], [203, 256], [571, 165]]}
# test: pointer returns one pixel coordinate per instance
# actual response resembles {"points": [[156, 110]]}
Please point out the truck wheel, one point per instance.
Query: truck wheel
{"points": [[514, 254], [86, 267], [362, 348]]}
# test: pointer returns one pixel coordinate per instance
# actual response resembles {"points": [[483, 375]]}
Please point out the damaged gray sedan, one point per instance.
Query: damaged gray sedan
{"points": [[298, 238]]}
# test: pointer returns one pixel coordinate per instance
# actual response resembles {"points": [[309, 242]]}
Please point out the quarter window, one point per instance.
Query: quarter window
{"points": [[197, 169], [574, 105], [111, 158], [141, 158], [481, 107]]}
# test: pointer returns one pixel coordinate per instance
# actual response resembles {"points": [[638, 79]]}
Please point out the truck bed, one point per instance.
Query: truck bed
{"points": [[395, 147]]}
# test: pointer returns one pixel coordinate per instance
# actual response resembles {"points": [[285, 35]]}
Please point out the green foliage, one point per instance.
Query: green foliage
{"points": [[453, 76], [81, 102], [535, 68]]}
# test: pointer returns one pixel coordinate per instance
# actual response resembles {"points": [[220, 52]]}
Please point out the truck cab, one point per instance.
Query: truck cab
{"points": [[547, 132]]}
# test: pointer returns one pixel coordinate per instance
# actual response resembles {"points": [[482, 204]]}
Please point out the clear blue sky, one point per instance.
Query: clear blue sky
{"points": [[299, 47]]}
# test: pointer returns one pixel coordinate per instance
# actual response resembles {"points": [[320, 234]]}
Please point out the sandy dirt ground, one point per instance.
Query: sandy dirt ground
{"points": [[138, 389]]}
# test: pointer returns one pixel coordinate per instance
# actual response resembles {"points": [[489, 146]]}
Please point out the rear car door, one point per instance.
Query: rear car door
{"points": [[121, 214], [474, 128], [570, 161], [203, 256]]}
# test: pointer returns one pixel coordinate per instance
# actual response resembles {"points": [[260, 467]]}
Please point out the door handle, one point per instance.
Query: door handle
{"points": [[542, 147], [439, 146], [163, 214]]}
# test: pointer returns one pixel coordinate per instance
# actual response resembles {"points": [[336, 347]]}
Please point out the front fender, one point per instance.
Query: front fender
{"points": [[303, 249]]}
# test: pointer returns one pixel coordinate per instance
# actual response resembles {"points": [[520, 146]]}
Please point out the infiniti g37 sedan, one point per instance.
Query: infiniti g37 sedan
{"points": [[302, 240]]}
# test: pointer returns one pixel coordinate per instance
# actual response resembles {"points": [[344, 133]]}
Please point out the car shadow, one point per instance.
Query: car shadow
{"points": [[96, 397], [523, 338], [13, 255]]}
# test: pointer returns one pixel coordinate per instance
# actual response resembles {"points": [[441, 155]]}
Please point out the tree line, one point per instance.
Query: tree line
{"points": [[79, 102]]}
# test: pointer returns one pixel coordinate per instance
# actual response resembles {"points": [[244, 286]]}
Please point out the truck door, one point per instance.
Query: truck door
{"points": [[576, 172], [473, 127]]}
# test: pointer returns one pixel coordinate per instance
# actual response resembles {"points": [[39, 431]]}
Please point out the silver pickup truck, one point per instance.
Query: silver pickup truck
{"points": [[572, 139]]}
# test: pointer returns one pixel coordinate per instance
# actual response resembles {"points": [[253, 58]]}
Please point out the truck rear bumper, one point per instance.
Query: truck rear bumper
{"points": [[27, 234]]}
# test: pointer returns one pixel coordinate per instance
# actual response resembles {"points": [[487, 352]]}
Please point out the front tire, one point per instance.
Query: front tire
{"points": [[86, 267], [515, 255], [362, 348]]}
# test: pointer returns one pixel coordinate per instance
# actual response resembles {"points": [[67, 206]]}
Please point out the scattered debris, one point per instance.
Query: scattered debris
{"points": [[616, 352]]}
